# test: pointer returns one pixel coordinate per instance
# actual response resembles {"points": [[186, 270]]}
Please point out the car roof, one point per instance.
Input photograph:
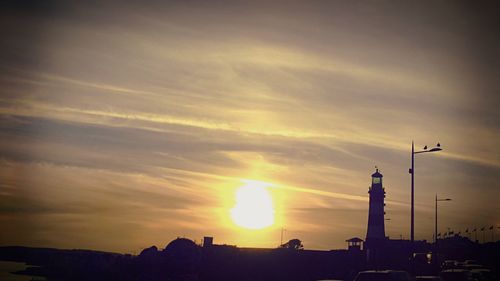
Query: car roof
{"points": [[382, 271], [455, 270]]}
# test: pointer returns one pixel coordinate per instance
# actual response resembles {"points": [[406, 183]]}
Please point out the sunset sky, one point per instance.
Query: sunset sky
{"points": [[127, 125]]}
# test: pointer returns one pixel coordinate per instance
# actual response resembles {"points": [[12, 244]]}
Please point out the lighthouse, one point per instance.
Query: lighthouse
{"points": [[375, 235]]}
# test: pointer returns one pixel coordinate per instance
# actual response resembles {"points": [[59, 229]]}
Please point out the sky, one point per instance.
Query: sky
{"points": [[128, 124]]}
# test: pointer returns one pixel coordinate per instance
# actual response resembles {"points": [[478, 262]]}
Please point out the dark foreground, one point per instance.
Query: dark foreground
{"points": [[184, 260]]}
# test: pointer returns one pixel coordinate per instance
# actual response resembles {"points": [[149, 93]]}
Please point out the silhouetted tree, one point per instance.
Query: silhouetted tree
{"points": [[294, 244], [149, 252]]}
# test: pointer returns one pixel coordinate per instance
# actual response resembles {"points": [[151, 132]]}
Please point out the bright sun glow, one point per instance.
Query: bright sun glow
{"points": [[254, 206]]}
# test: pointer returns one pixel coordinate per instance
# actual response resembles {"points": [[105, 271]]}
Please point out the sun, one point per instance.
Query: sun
{"points": [[254, 206]]}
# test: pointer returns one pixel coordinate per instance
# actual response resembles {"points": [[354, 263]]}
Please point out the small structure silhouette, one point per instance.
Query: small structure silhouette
{"points": [[354, 244], [208, 241]]}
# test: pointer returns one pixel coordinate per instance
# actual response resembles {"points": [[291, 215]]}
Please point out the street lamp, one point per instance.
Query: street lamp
{"points": [[436, 221], [412, 172]]}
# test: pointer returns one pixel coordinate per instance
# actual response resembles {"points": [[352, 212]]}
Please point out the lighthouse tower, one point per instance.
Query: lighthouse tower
{"points": [[375, 235]]}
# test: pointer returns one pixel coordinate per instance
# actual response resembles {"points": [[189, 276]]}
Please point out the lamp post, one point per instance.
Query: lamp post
{"points": [[436, 221], [412, 172]]}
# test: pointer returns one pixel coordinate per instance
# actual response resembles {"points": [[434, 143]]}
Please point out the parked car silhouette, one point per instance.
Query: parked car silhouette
{"points": [[473, 266], [383, 275], [428, 278], [456, 275], [450, 264], [482, 274]]}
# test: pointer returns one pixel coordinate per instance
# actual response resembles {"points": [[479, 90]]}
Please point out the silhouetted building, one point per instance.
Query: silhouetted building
{"points": [[375, 236]]}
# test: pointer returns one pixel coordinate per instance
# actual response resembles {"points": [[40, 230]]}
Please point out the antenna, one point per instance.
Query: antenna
{"points": [[281, 240]]}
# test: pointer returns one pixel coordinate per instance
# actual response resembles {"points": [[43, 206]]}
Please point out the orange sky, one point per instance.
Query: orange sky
{"points": [[127, 125]]}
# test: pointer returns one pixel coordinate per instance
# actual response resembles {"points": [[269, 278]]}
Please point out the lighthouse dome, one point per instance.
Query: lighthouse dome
{"points": [[376, 174]]}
